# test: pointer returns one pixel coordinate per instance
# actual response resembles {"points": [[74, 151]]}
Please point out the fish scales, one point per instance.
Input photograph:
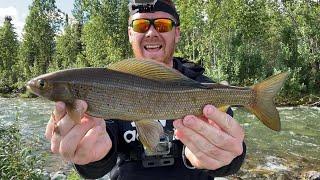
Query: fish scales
{"points": [[145, 101]]}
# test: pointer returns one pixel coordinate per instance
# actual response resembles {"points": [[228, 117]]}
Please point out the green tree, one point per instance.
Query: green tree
{"points": [[192, 17], [300, 52], [38, 40], [8, 56], [67, 48], [105, 34]]}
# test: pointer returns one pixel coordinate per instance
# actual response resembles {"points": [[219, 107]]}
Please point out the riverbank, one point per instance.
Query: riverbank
{"points": [[305, 100]]}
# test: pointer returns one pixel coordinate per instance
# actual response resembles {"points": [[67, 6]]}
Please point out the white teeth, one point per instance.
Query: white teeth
{"points": [[152, 46]]}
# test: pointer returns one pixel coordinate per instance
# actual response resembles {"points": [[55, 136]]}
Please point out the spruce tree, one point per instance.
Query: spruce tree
{"points": [[8, 56]]}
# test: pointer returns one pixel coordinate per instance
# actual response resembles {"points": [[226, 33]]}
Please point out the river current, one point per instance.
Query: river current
{"points": [[295, 149]]}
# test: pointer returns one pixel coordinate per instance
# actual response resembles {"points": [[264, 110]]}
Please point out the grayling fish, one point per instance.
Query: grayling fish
{"points": [[145, 91]]}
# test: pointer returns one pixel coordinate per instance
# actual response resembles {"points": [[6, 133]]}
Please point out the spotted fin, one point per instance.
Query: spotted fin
{"points": [[150, 69]]}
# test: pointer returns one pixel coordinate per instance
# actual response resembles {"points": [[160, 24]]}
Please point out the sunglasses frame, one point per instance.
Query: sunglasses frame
{"points": [[174, 24]]}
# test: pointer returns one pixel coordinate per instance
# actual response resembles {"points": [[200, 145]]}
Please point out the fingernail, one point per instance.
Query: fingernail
{"points": [[210, 109], [177, 123], [79, 107], [189, 120], [59, 107]]}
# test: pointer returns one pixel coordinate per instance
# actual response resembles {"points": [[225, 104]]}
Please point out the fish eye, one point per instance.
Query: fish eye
{"points": [[41, 83]]}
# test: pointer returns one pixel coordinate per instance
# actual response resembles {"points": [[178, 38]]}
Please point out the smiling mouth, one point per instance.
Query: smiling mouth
{"points": [[152, 47]]}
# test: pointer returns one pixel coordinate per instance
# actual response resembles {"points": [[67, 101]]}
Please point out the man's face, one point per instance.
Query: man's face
{"points": [[152, 44]]}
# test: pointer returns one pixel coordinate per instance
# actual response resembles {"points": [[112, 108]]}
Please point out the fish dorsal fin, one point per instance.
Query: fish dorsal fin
{"points": [[150, 69]]}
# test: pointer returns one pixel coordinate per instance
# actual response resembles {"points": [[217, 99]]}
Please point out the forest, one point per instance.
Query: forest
{"points": [[238, 41]]}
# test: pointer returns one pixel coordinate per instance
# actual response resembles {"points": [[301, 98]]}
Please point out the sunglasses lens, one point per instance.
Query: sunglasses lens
{"points": [[141, 25], [163, 25]]}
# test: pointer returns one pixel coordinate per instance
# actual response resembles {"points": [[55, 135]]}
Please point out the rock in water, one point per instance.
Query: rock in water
{"points": [[312, 175], [59, 176]]}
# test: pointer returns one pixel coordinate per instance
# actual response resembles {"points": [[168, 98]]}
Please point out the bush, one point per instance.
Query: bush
{"points": [[17, 159]]}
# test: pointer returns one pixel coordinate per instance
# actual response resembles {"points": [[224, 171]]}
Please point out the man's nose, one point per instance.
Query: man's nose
{"points": [[152, 32]]}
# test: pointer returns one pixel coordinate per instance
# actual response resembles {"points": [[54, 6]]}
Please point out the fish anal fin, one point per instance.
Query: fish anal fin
{"points": [[149, 133]]}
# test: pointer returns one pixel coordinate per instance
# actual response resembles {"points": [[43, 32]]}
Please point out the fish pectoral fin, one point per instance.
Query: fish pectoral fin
{"points": [[224, 108], [73, 113], [149, 133]]}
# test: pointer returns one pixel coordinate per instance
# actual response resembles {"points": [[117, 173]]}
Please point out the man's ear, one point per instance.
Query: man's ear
{"points": [[130, 34], [177, 32]]}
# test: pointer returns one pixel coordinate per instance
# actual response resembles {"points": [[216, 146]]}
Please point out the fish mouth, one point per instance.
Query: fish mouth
{"points": [[30, 85]]}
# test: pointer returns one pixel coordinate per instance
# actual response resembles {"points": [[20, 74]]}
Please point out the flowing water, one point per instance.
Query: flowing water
{"points": [[296, 148]]}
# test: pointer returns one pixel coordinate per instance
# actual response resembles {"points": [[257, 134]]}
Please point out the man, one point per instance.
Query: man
{"points": [[193, 148]]}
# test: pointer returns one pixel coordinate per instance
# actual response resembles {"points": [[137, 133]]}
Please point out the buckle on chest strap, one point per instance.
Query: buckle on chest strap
{"points": [[161, 156]]}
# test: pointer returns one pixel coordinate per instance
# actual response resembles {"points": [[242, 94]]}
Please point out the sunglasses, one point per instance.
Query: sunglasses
{"points": [[162, 25]]}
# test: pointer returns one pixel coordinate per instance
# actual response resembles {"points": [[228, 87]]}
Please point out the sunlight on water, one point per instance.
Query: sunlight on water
{"points": [[32, 115], [296, 146]]}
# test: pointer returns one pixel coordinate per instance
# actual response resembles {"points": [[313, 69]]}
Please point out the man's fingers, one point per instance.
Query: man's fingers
{"points": [[202, 162], [85, 151], [203, 144], [67, 123], [49, 128], [97, 138], [76, 110], [55, 142], [56, 115], [196, 155], [225, 121], [103, 146], [59, 111], [53, 131], [212, 134], [64, 126], [71, 140]]}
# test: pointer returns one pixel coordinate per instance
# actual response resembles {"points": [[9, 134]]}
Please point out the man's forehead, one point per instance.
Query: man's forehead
{"points": [[154, 15]]}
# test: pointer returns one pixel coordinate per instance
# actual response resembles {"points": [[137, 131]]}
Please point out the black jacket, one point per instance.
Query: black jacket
{"points": [[124, 159]]}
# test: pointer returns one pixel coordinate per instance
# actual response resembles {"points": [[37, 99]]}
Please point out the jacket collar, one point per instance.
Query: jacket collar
{"points": [[187, 68]]}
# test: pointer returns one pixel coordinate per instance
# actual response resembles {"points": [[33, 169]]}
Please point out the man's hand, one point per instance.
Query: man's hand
{"points": [[212, 141], [80, 143]]}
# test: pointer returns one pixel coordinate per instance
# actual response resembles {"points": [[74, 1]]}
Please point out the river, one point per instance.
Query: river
{"points": [[294, 150]]}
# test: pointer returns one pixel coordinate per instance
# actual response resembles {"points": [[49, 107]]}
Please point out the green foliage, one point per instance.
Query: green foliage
{"points": [[241, 41], [8, 56], [17, 159], [73, 176], [244, 41], [68, 48], [105, 34], [36, 52]]}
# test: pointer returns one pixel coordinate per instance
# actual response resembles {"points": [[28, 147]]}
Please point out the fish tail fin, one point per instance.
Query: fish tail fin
{"points": [[264, 107]]}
